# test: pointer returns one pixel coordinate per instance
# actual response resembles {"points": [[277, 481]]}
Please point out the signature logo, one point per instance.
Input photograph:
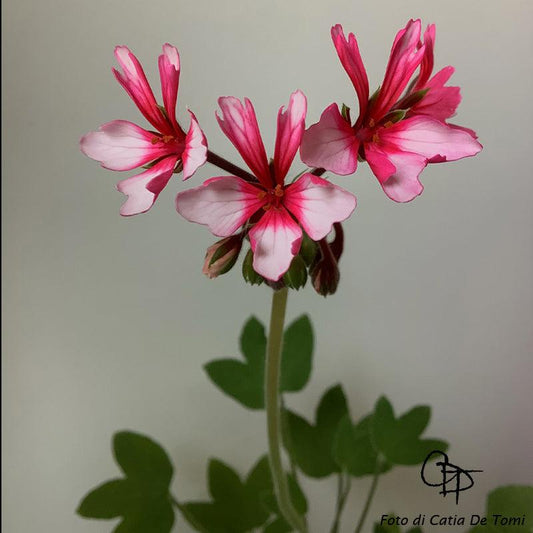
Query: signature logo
{"points": [[452, 478]]}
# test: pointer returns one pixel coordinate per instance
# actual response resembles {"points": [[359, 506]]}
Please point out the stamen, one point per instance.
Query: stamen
{"points": [[375, 138], [278, 191], [261, 194], [388, 124], [167, 138], [371, 123], [266, 207], [155, 140]]}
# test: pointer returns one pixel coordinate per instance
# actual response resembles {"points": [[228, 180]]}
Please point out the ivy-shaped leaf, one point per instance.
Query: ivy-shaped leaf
{"points": [[142, 497], [238, 506], [311, 446], [244, 380], [398, 439], [353, 449], [393, 528], [513, 502]]}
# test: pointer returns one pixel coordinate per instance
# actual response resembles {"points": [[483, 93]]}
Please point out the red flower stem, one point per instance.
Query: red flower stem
{"points": [[226, 165]]}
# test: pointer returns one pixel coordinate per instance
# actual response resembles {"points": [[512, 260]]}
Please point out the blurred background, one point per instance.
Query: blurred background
{"points": [[108, 321]]}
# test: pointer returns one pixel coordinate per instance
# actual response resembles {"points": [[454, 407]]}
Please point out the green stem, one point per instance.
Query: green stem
{"points": [[370, 497], [273, 411], [343, 489]]}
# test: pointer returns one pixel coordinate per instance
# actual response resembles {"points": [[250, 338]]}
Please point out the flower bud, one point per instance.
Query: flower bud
{"points": [[221, 256], [324, 272]]}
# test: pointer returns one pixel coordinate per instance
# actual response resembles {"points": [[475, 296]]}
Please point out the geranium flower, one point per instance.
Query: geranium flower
{"points": [[274, 212], [122, 145], [398, 136]]}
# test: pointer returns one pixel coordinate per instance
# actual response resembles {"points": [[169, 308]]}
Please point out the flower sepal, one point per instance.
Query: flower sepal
{"points": [[296, 276], [248, 272]]}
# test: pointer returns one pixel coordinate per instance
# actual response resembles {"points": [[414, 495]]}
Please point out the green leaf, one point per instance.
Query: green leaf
{"points": [[398, 440], [385, 528], [244, 380], [143, 459], [142, 498], [235, 506], [106, 501], [277, 526], [239, 506], [353, 449], [513, 501], [395, 528], [297, 355], [311, 446]]}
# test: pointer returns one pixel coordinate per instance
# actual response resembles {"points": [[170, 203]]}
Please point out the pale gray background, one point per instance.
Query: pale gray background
{"points": [[108, 321]]}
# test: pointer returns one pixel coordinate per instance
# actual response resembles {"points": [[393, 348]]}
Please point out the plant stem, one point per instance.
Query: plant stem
{"points": [[226, 165], [343, 489], [369, 497], [273, 412]]}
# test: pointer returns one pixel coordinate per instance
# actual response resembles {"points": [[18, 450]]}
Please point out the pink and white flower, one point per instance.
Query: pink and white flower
{"points": [[397, 135], [121, 145], [273, 213]]}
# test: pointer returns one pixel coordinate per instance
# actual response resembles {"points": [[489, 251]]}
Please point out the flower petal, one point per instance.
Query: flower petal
{"points": [[426, 66], [440, 102], [239, 123], [122, 145], [348, 52], [403, 185], [331, 143], [223, 204], [405, 58], [317, 204], [430, 138], [275, 240], [379, 162], [134, 81], [291, 126], [195, 153], [169, 72], [142, 190]]}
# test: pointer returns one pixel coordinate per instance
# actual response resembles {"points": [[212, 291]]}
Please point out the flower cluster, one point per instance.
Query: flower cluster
{"points": [[401, 128]]}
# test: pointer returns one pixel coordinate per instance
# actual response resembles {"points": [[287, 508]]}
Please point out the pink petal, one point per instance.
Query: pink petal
{"points": [[142, 190], [317, 204], [239, 123], [403, 185], [348, 52], [275, 240], [426, 67], [223, 204], [440, 102], [331, 143], [169, 72], [379, 162], [136, 85], [291, 126], [195, 153], [405, 58], [122, 145], [430, 138]]}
